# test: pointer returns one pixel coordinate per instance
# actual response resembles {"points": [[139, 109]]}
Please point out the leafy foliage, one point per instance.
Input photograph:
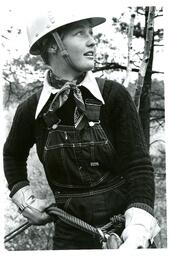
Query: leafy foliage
{"points": [[22, 78]]}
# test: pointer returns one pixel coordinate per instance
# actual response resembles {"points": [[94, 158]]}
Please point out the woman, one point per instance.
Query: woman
{"points": [[88, 139]]}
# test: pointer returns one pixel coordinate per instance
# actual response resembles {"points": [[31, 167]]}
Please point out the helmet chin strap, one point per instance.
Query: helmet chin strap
{"points": [[63, 51]]}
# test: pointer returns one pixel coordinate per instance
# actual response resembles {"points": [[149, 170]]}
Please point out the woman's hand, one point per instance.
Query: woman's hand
{"points": [[140, 228], [113, 242], [31, 208], [35, 212]]}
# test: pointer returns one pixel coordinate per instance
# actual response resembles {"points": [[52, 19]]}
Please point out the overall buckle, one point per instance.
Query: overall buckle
{"points": [[93, 111], [51, 120]]}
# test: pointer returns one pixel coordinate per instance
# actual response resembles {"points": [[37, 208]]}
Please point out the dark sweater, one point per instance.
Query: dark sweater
{"points": [[121, 123]]}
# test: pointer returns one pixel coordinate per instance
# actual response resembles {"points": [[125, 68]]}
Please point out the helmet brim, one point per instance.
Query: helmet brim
{"points": [[94, 21]]}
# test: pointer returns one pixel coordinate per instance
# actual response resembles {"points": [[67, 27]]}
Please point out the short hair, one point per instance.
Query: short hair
{"points": [[47, 41]]}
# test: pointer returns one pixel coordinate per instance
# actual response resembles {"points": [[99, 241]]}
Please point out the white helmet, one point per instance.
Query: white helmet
{"points": [[48, 20]]}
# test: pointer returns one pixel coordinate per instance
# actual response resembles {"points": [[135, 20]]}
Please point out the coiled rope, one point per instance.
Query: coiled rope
{"points": [[116, 223]]}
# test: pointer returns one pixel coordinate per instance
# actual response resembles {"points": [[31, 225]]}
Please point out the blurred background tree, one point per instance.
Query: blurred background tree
{"points": [[23, 76]]}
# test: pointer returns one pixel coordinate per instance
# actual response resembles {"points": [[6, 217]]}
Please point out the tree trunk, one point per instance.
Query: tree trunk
{"points": [[145, 99], [149, 33], [130, 37]]}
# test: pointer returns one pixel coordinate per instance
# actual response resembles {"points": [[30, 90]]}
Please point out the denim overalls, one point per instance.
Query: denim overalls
{"points": [[79, 165]]}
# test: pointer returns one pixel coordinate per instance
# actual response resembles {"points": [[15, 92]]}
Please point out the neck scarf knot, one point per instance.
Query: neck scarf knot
{"points": [[62, 96]]}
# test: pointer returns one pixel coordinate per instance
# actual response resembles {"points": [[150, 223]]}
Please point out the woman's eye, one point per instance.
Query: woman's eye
{"points": [[83, 32], [79, 32]]}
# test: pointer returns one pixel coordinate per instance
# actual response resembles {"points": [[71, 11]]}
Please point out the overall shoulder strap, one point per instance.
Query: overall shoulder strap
{"points": [[101, 82]]}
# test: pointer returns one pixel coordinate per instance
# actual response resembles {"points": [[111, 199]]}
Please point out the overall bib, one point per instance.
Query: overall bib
{"points": [[80, 168]]}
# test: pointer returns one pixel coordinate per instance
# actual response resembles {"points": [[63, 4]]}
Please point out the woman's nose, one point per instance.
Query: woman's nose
{"points": [[91, 41]]}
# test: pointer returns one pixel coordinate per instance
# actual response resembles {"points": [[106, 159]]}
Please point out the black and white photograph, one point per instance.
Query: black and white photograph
{"points": [[83, 132]]}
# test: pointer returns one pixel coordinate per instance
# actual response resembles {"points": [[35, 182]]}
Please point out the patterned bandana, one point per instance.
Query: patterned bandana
{"points": [[62, 96]]}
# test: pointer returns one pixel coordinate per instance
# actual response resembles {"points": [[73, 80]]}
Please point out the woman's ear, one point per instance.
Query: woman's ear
{"points": [[53, 48]]}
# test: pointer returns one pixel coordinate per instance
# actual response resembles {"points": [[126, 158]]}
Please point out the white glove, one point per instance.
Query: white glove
{"points": [[32, 208], [140, 228]]}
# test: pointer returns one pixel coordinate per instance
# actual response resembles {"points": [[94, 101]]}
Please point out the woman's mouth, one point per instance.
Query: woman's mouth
{"points": [[89, 54]]}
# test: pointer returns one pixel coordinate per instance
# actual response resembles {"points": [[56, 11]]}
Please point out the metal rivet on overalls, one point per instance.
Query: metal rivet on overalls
{"points": [[48, 26], [36, 34], [91, 123], [54, 126]]}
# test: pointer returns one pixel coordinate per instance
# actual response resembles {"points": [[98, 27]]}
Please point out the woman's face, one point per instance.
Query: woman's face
{"points": [[80, 45]]}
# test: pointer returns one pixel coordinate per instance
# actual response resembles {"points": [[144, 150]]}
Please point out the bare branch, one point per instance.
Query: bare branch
{"points": [[141, 13], [155, 141], [157, 109], [159, 15], [5, 78], [117, 66], [158, 32], [158, 45], [5, 37], [159, 121]]}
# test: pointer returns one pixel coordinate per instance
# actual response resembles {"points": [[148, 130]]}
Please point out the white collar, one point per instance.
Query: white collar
{"points": [[89, 82]]}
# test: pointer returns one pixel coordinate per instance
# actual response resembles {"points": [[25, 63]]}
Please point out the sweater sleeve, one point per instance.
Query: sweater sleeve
{"points": [[131, 147], [17, 146]]}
